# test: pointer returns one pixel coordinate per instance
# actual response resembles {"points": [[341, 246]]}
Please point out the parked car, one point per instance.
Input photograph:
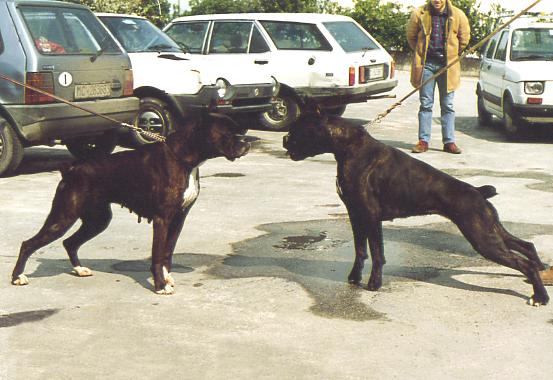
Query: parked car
{"points": [[516, 76], [329, 58], [64, 49], [169, 81]]}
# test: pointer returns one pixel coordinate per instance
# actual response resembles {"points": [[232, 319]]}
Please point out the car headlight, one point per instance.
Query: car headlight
{"points": [[533, 88], [276, 86], [222, 86]]}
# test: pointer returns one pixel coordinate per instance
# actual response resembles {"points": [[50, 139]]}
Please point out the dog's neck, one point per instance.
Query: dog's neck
{"points": [[344, 139], [178, 145]]}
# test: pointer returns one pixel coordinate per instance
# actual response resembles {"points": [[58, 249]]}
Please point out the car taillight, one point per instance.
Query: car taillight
{"points": [[43, 81], [392, 69], [128, 88], [361, 75], [352, 76]]}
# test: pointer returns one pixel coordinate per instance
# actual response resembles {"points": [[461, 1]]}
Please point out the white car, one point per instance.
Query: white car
{"points": [[329, 58], [169, 81], [516, 76]]}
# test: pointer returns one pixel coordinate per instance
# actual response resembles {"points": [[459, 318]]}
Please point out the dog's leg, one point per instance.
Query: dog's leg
{"points": [[524, 247], [376, 245], [94, 221], [490, 244], [159, 245], [56, 225], [175, 229], [360, 241]]}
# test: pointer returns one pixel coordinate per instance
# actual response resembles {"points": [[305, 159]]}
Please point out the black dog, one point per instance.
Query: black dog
{"points": [[157, 181], [377, 182]]}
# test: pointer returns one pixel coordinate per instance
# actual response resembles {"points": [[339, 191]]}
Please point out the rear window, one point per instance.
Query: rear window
{"points": [[532, 44], [67, 31], [296, 36], [350, 36]]}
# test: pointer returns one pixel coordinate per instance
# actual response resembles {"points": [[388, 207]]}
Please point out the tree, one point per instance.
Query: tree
{"points": [[263, 6], [157, 11], [385, 21]]}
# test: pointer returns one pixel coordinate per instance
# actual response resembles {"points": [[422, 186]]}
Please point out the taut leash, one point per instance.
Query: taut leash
{"points": [[382, 115]]}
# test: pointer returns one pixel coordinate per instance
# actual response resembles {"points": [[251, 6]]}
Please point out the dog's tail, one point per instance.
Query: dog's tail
{"points": [[487, 191]]}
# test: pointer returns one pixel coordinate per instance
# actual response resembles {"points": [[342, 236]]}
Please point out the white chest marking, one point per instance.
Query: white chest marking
{"points": [[193, 189]]}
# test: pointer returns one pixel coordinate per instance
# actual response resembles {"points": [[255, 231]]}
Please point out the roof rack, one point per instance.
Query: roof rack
{"points": [[546, 17]]}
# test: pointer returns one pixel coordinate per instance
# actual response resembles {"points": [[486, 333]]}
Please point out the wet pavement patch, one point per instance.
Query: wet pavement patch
{"points": [[144, 266], [14, 319], [318, 255]]}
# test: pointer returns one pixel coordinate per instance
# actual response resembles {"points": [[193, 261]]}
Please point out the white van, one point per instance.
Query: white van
{"points": [[330, 58], [516, 76]]}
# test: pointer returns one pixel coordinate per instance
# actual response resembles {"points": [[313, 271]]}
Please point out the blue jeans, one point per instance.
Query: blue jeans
{"points": [[426, 94]]}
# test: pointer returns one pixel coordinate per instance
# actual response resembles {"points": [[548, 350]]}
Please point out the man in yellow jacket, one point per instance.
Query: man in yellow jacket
{"points": [[437, 33]]}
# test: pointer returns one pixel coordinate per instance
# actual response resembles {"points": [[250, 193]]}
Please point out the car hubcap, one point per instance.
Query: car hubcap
{"points": [[280, 110], [150, 121], [1, 145]]}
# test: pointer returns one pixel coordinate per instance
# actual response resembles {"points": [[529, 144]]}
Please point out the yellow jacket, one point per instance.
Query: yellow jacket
{"points": [[419, 28]]}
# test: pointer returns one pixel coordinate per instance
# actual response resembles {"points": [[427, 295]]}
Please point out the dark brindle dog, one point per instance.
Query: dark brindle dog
{"points": [[157, 181], [377, 182]]}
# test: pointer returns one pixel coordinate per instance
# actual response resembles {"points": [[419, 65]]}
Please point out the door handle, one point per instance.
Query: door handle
{"points": [[258, 62]]}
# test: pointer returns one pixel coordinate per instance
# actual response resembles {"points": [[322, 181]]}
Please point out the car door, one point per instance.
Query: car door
{"points": [[485, 71], [496, 78]]}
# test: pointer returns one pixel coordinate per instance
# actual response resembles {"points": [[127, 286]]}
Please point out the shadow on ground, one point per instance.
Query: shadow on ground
{"points": [[318, 255]]}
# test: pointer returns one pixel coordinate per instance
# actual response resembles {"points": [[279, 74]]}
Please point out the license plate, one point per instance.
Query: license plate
{"points": [[376, 72], [95, 90]]}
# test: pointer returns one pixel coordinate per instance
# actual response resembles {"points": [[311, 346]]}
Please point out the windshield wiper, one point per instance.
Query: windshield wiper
{"points": [[532, 57], [100, 51], [365, 50], [159, 47]]}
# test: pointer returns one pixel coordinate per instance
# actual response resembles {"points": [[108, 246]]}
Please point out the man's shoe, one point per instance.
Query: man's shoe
{"points": [[452, 148], [547, 276], [421, 147]]}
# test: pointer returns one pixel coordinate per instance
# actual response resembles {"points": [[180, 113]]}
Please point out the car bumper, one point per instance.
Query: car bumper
{"points": [[40, 124], [346, 95], [535, 114], [247, 98]]}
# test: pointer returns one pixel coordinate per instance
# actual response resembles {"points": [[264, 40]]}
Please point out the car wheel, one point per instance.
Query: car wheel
{"points": [[511, 123], [92, 147], [154, 116], [336, 111], [11, 149], [285, 112], [484, 117]]}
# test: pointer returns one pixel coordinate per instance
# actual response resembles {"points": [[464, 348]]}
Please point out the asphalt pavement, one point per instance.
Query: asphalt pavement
{"points": [[261, 273]]}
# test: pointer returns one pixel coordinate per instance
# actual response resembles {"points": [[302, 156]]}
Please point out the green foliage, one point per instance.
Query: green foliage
{"points": [[263, 6], [157, 11], [385, 21]]}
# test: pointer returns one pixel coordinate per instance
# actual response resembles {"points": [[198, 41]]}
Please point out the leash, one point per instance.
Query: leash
{"points": [[382, 115], [151, 135]]}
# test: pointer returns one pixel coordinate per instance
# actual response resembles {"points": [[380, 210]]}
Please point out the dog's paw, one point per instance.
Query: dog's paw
{"points": [[20, 280], [166, 291], [82, 271], [169, 280], [533, 301]]}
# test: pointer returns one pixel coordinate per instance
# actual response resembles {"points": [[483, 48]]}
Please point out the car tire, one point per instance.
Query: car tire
{"points": [[284, 113], [154, 116], [484, 117], [336, 111], [11, 149], [87, 148], [512, 125]]}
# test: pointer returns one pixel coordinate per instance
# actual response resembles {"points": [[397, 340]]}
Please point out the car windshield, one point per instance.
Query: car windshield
{"points": [[296, 36], [57, 30], [350, 37], [532, 44], [139, 35]]}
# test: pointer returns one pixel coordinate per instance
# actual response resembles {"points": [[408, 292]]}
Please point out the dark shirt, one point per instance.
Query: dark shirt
{"points": [[436, 48]]}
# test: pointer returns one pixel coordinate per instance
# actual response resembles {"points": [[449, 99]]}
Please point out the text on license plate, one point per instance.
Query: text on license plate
{"points": [[376, 72], [95, 90]]}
